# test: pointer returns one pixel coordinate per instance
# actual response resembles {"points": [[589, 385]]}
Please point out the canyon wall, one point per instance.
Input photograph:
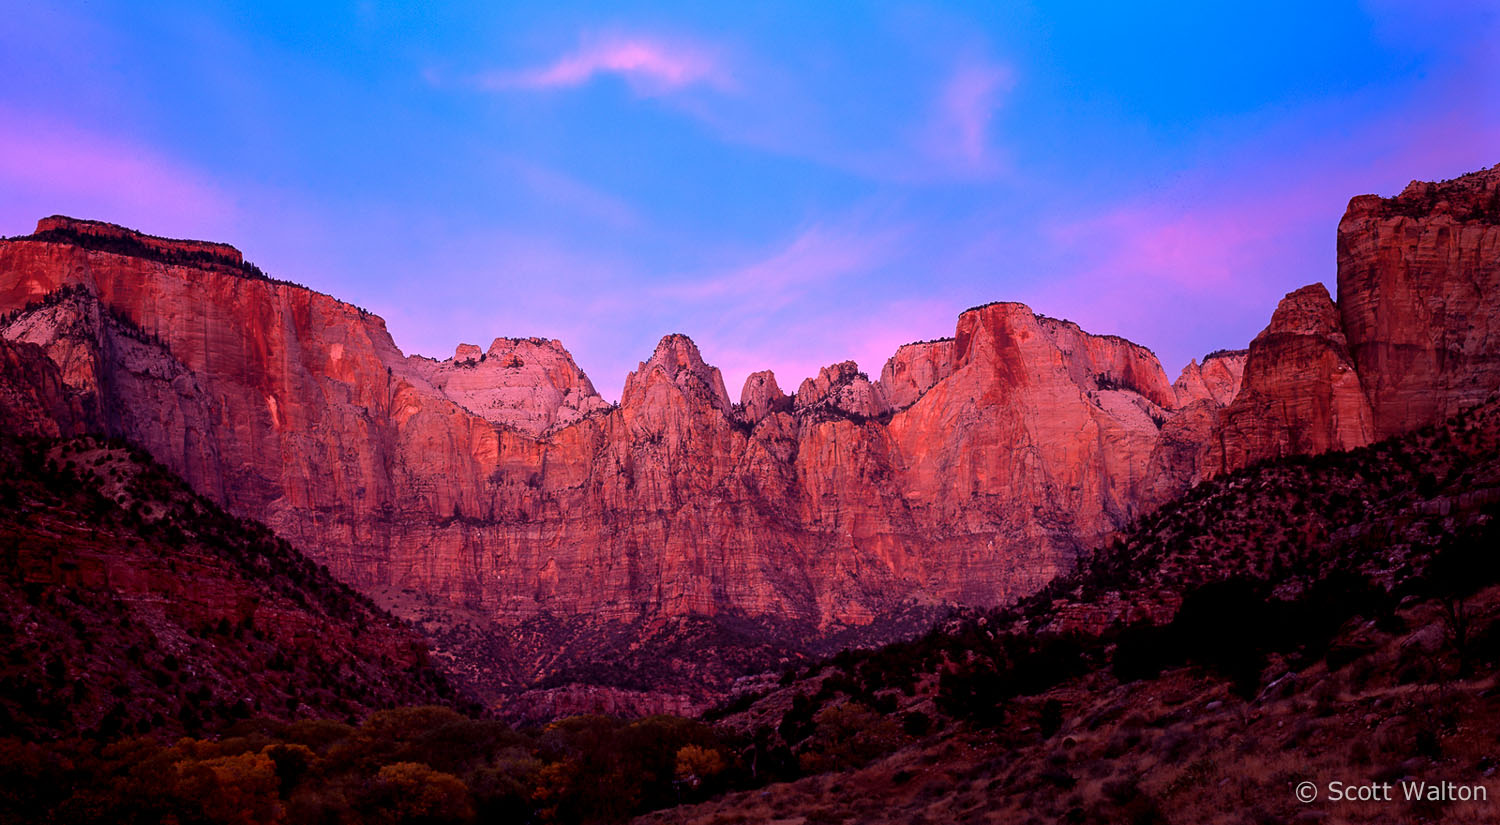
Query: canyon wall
{"points": [[497, 485], [1418, 281]]}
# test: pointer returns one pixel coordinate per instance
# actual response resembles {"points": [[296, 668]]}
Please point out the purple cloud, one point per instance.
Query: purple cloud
{"points": [[651, 66], [51, 168], [966, 104]]}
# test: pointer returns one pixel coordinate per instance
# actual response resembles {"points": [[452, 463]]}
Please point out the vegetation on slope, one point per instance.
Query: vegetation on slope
{"points": [[129, 604], [1305, 619], [1351, 596]]}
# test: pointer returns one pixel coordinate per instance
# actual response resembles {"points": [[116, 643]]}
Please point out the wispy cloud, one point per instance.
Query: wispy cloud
{"points": [[650, 65], [52, 167], [913, 118], [965, 106], [817, 255], [573, 194]]}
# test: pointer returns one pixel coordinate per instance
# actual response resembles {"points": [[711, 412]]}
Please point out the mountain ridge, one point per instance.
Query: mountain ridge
{"points": [[972, 472]]}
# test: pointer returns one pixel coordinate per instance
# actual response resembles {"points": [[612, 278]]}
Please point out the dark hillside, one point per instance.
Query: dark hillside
{"points": [[128, 604]]}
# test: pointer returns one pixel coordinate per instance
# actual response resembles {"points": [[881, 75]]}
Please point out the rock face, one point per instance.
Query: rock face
{"points": [[529, 384], [499, 483], [1414, 338], [1181, 456], [33, 399], [1418, 275], [761, 396], [914, 369], [497, 490], [841, 390], [1300, 393], [1217, 379]]}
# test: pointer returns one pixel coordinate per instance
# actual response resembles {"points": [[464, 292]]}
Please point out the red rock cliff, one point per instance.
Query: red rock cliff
{"points": [[1418, 279], [1300, 393], [498, 485]]}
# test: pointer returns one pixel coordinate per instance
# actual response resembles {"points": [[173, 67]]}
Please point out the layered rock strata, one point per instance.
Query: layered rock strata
{"points": [[497, 484], [1418, 279]]}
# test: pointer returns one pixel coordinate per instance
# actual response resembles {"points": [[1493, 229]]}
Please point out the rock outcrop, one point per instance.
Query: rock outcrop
{"points": [[1181, 456], [497, 487], [499, 484], [761, 396], [1300, 393], [1418, 278], [915, 369], [841, 390], [33, 398], [1217, 379], [529, 384], [1414, 338]]}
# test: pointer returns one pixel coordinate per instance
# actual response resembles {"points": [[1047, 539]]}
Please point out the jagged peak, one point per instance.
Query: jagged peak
{"points": [[841, 387], [677, 359], [1308, 310], [675, 351], [761, 396], [760, 382]]}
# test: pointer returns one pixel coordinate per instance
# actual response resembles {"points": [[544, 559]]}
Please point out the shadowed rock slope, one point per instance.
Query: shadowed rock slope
{"points": [[1306, 619], [129, 604]]}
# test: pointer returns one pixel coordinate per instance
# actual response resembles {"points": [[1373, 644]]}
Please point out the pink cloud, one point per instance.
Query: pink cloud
{"points": [[650, 66], [964, 109], [50, 168]]}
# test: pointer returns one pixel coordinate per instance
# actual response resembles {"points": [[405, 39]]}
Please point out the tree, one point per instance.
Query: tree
{"points": [[848, 735], [241, 789], [410, 792], [696, 764]]}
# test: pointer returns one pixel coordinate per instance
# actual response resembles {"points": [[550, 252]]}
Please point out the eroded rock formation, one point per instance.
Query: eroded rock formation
{"points": [[1299, 394], [1418, 278], [499, 487]]}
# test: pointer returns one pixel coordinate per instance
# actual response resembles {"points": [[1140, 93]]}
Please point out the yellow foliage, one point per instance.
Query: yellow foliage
{"points": [[416, 792], [240, 789], [695, 764]]}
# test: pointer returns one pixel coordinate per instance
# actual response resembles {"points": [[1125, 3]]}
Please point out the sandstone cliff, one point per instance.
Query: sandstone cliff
{"points": [[497, 490], [498, 482], [1418, 278], [1181, 455], [1217, 379], [914, 369], [1299, 394], [529, 384]]}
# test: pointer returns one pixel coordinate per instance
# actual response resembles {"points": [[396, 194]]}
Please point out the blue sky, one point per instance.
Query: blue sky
{"points": [[790, 184]]}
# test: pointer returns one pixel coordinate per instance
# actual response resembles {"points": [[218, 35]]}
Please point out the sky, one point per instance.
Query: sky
{"points": [[790, 184]]}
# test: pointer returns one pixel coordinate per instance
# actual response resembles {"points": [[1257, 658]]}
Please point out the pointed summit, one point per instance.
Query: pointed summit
{"points": [[677, 362]]}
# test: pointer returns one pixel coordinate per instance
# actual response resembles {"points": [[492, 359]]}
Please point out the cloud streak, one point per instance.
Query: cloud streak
{"points": [[815, 256], [965, 106], [55, 168], [651, 67]]}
